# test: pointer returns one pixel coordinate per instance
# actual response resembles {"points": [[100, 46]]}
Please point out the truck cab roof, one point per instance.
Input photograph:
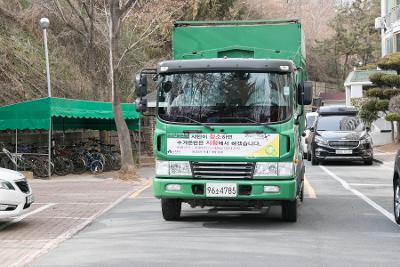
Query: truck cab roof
{"points": [[225, 64]]}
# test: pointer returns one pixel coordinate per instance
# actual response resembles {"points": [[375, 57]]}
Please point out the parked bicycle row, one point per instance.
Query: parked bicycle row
{"points": [[93, 156]]}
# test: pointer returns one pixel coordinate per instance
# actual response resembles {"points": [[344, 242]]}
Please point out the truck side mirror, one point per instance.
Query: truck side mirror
{"points": [[308, 93], [141, 104], [304, 93], [141, 85]]}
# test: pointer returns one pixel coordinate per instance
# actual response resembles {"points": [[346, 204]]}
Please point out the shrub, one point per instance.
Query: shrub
{"points": [[376, 78], [392, 117], [375, 92], [382, 105], [367, 116], [390, 62], [391, 80], [389, 93], [369, 105]]}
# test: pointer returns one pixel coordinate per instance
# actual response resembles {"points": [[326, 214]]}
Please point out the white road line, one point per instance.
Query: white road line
{"points": [[19, 218], [360, 195], [75, 203], [357, 184], [309, 189]]}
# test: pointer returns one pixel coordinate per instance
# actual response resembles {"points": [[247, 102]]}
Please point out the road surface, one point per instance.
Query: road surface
{"points": [[345, 220]]}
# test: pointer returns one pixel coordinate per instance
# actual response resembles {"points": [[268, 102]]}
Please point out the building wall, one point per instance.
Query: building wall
{"points": [[390, 11]]}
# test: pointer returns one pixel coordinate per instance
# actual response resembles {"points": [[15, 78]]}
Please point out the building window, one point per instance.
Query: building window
{"points": [[389, 45], [397, 42]]}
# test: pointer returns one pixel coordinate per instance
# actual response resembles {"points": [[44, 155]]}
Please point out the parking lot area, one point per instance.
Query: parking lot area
{"points": [[63, 206]]}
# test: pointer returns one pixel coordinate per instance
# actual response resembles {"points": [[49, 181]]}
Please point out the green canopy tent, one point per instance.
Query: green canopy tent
{"points": [[65, 114], [61, 113]]}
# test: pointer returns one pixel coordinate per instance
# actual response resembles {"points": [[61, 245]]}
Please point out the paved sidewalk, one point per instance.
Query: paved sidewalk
{"points": [[63, 207], [385, 154]]}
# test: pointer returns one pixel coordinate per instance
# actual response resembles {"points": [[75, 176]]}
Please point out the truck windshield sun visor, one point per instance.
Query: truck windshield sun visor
{"points": [[226, 97]]}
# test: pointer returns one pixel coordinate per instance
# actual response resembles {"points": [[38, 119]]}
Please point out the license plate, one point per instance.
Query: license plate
{"points": [[221, 190], [29, 199], [344, 152]]}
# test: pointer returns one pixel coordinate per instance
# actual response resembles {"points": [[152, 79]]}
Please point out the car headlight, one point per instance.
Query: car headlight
{"points": [[6, 185], [177, 168], [273, 169], [320, 141], [367, 140]]}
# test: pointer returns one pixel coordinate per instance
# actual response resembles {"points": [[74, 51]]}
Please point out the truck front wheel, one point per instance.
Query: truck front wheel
{"points": [[289, 211], [171, 209]]}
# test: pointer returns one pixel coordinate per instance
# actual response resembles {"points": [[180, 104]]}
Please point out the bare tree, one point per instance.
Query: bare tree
{"points": [[117, 11]]}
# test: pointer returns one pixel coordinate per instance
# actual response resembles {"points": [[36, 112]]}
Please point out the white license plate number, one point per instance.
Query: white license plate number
{"points": [[29, 199], [221, 190], [344, 152]]}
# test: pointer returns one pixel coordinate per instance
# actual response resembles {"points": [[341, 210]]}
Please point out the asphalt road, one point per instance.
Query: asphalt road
{"points": [[345, 220]]}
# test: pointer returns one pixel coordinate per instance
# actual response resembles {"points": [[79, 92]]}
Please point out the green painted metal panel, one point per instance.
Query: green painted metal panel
{"points": [[66, 114], [262, 39], [287, 189]]}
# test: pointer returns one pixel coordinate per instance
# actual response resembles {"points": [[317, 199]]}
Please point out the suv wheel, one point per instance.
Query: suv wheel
{"points": [[396, 200], [368, 162]]}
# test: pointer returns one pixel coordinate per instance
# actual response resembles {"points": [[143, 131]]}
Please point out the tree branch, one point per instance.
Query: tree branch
{"points": [[78, 15], [69, 24]]}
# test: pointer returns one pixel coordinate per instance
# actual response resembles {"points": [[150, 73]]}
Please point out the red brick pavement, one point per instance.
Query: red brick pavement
{"points": [[68, 204]]}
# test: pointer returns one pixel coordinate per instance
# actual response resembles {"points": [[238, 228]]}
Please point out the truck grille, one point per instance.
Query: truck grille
{"points": [[223, 170], [343, 144], [23, 186]]}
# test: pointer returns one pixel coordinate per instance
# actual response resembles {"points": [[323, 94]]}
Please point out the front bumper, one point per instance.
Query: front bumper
{"points": [[248, 189], [16, 200], [361, 152]]}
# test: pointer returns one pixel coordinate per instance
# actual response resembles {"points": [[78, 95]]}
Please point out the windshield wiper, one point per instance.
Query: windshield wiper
{"points": [[197, 122]]}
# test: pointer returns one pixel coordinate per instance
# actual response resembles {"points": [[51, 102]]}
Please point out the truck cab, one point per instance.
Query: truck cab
{"points": [[228, 132]]}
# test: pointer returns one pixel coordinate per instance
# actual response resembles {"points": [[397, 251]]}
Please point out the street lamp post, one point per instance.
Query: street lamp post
{"points": [[44, 24]]}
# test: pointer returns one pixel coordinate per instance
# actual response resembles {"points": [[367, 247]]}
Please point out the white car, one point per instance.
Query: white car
{"points": [[310, 119], [15, 193]]}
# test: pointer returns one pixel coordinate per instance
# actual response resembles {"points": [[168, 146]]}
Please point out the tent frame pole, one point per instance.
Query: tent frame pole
{"points": [[49, 147]]}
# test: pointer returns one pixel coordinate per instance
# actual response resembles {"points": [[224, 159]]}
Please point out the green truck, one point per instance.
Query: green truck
{"points": [[230, 116]]}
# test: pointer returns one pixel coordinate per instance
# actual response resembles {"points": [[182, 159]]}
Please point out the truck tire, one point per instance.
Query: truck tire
{"points": [[171, 209], [289, 211]]}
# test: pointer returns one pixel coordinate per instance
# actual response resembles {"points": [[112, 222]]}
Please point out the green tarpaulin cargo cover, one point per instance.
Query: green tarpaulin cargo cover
{"points": [[65, 113]]}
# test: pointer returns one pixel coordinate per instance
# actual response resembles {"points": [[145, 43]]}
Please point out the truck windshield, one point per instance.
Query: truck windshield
{"points": [[226, 97]]}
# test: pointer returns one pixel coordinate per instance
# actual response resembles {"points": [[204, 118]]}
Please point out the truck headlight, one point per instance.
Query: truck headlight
{"points": [[320, 141], [177, 168], [6, 185], [266, 169], [273, 169]]}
